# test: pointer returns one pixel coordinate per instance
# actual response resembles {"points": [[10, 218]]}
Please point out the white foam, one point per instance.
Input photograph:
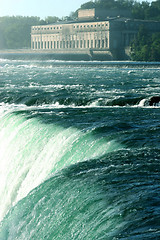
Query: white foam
{"points": [[142, 102], [31, 151]]}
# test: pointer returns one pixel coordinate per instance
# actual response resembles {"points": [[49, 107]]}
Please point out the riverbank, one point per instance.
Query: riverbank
{"points": [[67, 54]]}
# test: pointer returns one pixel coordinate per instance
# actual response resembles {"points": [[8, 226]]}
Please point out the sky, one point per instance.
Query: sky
{"points": [[40, 8]]}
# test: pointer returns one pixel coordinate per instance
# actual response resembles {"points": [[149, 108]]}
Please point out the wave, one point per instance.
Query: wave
{"points": [[46, 103], [32, 150], [150, 101], [45, 100], [106, 198], [24, 61]]}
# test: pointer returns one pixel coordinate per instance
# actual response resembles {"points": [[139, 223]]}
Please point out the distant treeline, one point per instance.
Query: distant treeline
{"points": [[146, 47], [15, 30]]}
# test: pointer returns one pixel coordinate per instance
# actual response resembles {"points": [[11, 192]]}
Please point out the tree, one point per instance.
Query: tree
{"points": [[15, 31], [146, 47], [155, 47], [51, 19], [88, 5]]}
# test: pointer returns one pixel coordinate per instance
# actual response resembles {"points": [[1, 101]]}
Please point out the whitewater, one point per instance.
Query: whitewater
{"points": [[79, 150]]}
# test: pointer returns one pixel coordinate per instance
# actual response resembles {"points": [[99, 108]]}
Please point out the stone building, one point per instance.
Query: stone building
{"points": [[107, 38]]}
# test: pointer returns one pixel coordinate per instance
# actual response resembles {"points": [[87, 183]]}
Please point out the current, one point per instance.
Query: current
{"points": [[79, 150]]}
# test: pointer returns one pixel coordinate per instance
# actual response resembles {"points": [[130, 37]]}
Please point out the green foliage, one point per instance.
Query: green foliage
{"points": [[109, 4], [51, 19], [146, 10], [88, 5], [146, 47], [15, 31]]}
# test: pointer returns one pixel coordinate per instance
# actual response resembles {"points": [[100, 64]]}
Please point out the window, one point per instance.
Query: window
{"points": [[99, 43], [80, 43], [106, 43], [88, 43], [91, 43], [95, 43], [67, 44], [103, 43]]}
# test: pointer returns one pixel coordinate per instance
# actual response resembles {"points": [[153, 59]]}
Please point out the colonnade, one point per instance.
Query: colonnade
{"points": [[49, 41]]}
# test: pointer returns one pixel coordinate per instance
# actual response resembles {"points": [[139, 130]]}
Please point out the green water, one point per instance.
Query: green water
{"points": [[79, 148]]}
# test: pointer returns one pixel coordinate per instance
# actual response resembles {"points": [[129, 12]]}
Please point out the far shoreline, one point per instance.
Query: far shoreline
{"points": [[45, 54], [29, 54]]}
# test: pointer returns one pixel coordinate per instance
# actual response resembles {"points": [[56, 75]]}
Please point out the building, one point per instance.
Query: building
{"points": [[106, 38]]}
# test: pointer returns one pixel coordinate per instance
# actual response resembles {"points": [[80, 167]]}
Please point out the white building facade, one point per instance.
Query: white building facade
{"points": [[81, 35]]}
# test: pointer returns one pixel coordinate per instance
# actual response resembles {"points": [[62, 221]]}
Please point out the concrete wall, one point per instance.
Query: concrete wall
{"points": [[86, 14]]}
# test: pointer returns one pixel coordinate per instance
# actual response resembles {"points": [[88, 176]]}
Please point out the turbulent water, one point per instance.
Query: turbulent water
{"points": [[79, 150]]}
